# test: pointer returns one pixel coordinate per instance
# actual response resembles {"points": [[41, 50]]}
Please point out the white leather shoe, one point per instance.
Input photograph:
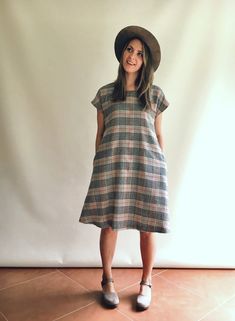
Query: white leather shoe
{"points": [[110, 299], [144, 300]]}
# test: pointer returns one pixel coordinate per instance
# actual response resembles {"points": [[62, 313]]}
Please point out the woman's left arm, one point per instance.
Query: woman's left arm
{"points": [[158, 129]]}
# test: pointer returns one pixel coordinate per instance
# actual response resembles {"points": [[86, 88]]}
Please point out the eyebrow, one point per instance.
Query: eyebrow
{"points": [[133, 48]]}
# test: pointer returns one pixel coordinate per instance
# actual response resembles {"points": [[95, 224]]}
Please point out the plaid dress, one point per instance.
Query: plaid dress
{"points": [[128, 187]]}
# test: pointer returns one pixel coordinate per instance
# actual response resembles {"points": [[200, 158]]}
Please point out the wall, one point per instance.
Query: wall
{"points": [[54, 55]]}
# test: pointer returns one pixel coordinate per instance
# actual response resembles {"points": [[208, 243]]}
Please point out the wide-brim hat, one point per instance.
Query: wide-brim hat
{"points": [[130, 32]]}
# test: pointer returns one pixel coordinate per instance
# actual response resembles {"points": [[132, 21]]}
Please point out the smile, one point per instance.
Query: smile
{"points": [[130, 63]]}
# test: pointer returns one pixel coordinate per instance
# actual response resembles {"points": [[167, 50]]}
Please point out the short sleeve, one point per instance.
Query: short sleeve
{"points": [[97, 101], [161, 101]]}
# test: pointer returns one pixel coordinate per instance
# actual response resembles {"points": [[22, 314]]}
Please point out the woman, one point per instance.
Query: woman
{"points": [[129, 187]]}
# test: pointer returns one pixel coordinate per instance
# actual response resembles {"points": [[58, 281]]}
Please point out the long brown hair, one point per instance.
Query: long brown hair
{"points": [[143, 81]]}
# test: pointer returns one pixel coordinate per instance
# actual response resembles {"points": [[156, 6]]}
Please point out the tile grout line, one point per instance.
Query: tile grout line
{"points": [[160, 272], [3, 315], [129, 286], [65, 315], [217, 307], [74, 281], [181, 287], [119, 311], [26, 281]]}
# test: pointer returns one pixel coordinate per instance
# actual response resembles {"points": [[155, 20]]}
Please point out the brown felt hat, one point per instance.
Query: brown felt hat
{"points": [[130, 32]]}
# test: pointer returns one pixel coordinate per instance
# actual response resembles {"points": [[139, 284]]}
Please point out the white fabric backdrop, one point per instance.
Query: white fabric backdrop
{"points": [[54, 55]]}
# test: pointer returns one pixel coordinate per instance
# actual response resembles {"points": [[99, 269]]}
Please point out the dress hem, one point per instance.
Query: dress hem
{"points": [[161, 230]]}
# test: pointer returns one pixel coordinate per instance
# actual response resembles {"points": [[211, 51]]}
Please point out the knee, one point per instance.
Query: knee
{"points": [[146, 235], [108, 231]]}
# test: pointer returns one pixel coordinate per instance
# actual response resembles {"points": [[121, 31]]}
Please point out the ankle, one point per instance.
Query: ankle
{"points": [[107, 274], [108, 286], [147, 278], [145, 285]]}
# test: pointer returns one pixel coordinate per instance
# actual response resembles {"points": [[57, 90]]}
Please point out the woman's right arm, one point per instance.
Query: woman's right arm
{"points": [[100, 128]]}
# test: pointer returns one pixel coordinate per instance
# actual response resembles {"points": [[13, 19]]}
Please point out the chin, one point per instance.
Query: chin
{"points": [[130, 70]]}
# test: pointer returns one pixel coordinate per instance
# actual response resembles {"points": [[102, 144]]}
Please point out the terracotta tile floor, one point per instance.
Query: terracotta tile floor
{"points": [[69, 294]]}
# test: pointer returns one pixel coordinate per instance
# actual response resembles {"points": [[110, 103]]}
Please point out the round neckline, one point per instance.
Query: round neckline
{"points": [[131, 91]]}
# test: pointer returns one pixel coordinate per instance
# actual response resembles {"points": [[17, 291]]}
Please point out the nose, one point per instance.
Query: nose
{"points": [[132, 55]]}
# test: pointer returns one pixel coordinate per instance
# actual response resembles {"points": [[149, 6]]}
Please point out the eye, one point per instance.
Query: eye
{"points": [[140, 54], [129, 49]]}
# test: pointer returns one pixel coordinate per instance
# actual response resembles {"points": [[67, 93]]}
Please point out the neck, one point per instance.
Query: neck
{"points": [[130, 81]]}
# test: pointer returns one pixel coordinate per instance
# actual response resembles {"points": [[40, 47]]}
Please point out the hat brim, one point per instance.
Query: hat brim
{"points": [[147, 37]]}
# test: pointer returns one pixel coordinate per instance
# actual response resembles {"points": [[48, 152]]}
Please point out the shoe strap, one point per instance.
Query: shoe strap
{"points": [[145, 283], [106, 281]]}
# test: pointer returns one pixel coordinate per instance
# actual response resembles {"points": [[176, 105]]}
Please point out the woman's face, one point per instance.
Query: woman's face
{"points": [[132, 59]]}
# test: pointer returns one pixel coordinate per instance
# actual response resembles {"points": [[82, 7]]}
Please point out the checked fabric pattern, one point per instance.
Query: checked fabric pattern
{"points": [[128, 187]]}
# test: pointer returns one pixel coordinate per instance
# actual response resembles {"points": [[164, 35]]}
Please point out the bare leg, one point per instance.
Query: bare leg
{"points": [[108, 239], [148, 249]]}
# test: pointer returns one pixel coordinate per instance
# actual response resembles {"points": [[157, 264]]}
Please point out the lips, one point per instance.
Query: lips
{"points": [[130, 63]]}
